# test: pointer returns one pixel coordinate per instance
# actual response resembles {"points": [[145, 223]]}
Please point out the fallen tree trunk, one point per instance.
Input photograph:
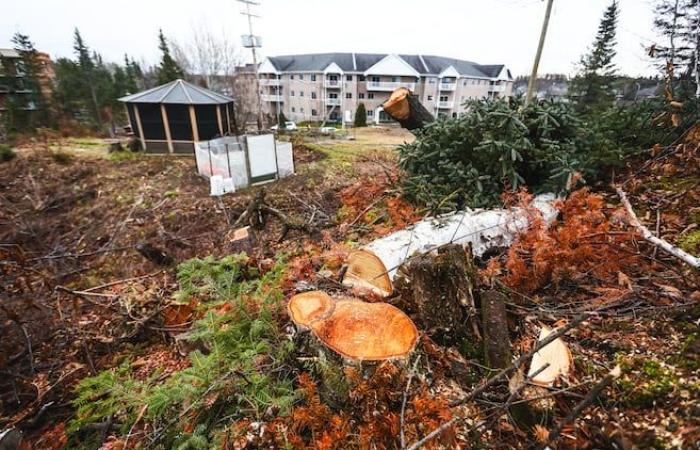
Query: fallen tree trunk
{"points": [[495, 324], [375, 265], [407, 110]]}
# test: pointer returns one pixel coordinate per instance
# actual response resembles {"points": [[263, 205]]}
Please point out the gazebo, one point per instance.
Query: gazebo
{"points": [[172, 117]]}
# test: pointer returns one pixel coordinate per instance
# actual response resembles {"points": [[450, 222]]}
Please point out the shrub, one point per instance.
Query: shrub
{"points": [[239, 371], [6, 153], [281, 121], [361, 116], [502, 145]]}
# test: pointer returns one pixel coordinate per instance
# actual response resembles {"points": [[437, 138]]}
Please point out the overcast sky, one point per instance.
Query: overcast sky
{"points": [[484, 31]]}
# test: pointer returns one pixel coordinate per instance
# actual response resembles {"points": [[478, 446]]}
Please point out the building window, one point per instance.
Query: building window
{"points": [[361, 95], [313, 77], [301, 76], [394, 79], [301, 110], [348, 95], [301, 93], [314, 112], [313, 95], [431, 81], [443, 98], [348, 78], [333, 95], [361, 77], [430, 97], [370, 113], [375, 79], [464, 83], [370, 95], [291, 93], [294, 109], [454, 115], [291, 77]]}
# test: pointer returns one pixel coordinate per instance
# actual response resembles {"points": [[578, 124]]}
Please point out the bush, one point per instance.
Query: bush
{"points": [[6, 153], [361, 116], [281, 121], [502, 145], [238, 371]]}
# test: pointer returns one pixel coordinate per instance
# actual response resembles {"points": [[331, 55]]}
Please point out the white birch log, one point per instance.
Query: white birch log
{"points": [[649, 236], [375, 265]]}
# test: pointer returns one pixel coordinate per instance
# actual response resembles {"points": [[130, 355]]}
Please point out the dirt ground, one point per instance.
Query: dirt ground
{"points": [[77, 290]]}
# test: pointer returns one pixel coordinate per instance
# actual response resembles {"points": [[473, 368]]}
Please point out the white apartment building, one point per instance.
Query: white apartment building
{"points": [[330, 86]]}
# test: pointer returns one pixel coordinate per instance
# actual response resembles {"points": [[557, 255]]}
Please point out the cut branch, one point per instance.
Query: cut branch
{"points": [[407, 110], [649, 236]]}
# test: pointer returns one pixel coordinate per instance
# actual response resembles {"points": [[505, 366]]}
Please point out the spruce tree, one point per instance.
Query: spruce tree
{"points": [[168, 70], [87, 69], [34, 101], [361, 116], [592, 86]]}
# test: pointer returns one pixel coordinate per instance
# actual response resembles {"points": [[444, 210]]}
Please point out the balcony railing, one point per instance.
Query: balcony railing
{"points": [[445, 105], [447, 86], [389, 85], [497, 88], [332, 101], [332, 83], [272, 98], [270, 82]]}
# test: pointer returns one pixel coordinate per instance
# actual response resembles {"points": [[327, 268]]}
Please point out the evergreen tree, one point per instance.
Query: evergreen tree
{"points": [[361, 116], [86, 66], [591, 87], [168, 70], [281, 121]]}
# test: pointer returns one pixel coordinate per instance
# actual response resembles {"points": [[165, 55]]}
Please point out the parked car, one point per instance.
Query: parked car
{"points": [[289, 126], [327, 130]]}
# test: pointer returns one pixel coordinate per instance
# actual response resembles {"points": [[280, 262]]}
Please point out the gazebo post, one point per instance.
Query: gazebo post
{"points": [[139, 126], [218, 119], [166, 125], [193, 122], [228, 120]]}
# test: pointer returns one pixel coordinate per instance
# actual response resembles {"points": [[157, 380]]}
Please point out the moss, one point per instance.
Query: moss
{"points": [[691, 243], [646, 382]]}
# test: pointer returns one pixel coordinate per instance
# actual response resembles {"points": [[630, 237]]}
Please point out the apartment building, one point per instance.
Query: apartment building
{"points": [[13, 83], [330, 86]]}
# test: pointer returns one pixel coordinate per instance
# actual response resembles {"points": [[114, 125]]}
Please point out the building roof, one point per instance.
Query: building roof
{"points": [[9, 53], [178, 92], [360, 62]]}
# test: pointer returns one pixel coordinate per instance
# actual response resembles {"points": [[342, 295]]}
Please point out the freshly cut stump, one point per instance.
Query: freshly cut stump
{"points": [[355, 329], [309, 306], [366, 270], [406, 108]]}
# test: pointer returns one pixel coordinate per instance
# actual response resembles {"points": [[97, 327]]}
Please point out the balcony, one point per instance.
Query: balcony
{"points": [[445, 105], [332, 101], [270, 82], [334, 84], [497, 88], [389, 85], [447, 86], [272, 98]]}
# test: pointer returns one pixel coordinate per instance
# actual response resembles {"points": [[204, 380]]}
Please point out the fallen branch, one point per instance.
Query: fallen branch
{"points": [[649, 236], [583, 404], [497, 377]]}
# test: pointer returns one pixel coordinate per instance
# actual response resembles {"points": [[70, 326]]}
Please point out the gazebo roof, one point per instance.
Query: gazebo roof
{"points": [[178, 92]]}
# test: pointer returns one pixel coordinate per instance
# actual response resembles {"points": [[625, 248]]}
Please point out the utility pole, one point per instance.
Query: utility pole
{"points": [[535, 67], [251, 41]]}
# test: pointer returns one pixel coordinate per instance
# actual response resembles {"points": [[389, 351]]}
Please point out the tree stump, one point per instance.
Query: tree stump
{"points": [[495, 324], [437, 290]]}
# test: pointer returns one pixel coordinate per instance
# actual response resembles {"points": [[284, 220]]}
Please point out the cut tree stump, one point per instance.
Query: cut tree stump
{"points": [[495, 324], [407, 110], [438, 291]]}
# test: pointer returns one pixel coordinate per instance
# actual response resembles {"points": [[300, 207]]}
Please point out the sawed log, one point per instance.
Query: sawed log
{"points": [[407, 110]]}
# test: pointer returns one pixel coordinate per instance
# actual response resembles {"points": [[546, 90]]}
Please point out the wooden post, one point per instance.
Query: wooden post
{"points": [[193, 121], [535, 67], [139, 126], [218, 119], [228, 120], [166, 125]]}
